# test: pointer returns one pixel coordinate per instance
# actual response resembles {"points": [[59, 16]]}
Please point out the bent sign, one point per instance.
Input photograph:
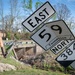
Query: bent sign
{"points": [[68, 56], [38, 17]]}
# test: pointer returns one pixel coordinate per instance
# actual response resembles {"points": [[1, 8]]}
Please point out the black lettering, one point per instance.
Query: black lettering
{"points": [[70, 40], [55, 49], [74, 46], [63, 43], [42, 15], [31, 23], [64, 56], [37, 19], [59, 46], [46, 11], [56, 28], [67, 41], [69, 52]]}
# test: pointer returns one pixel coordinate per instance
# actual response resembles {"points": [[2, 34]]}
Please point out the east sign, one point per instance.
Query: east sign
{"points": [[39, 16]]}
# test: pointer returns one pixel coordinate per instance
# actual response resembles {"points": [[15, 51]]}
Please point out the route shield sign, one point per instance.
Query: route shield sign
{"points": [[61, 46], [68, 56], [39, 16], [45, 37], [60, 28]]}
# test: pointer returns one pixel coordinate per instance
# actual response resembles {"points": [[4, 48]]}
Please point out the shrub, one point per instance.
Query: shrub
{"points": [[17, 36], [8, 35]]}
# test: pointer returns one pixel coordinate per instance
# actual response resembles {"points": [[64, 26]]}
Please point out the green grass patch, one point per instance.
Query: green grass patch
{"points": [[32, 72], [25, 70]]}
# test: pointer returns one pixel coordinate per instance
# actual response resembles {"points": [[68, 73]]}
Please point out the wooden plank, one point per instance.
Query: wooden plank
{"points": [[15, 54]]}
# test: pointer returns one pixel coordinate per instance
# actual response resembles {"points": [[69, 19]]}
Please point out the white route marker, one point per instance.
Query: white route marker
{"points": [[61, 30], [39, 16], [45, 37], [68, 56]]}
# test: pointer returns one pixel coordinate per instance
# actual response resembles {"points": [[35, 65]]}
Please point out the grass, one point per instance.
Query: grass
{"points": [[30, 71], [24, 69]]}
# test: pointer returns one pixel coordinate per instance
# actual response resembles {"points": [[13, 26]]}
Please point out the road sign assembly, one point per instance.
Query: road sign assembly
{"points": [[68, 56], [45, 37], [60, 28], [54, 36], [50, 34], [39, 16]]}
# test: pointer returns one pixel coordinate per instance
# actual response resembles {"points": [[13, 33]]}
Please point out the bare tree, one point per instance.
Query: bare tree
{"points": [[7, 22], [71, 23], [13, 11], [2, 14], [62, 11], [13, 14]]}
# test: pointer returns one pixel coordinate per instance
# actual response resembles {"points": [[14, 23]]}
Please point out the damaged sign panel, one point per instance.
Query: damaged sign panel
{"points": [[68, 56]]}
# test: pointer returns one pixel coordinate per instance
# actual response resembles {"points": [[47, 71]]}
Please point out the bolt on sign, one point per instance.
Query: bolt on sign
{"points": [[39, 16], [68, 56]]}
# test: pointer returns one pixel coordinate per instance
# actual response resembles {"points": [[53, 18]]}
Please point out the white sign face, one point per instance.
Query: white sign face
{"points": [[45, 37], [60, 46], [38, 17], [61, 30], [68, 56]]}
